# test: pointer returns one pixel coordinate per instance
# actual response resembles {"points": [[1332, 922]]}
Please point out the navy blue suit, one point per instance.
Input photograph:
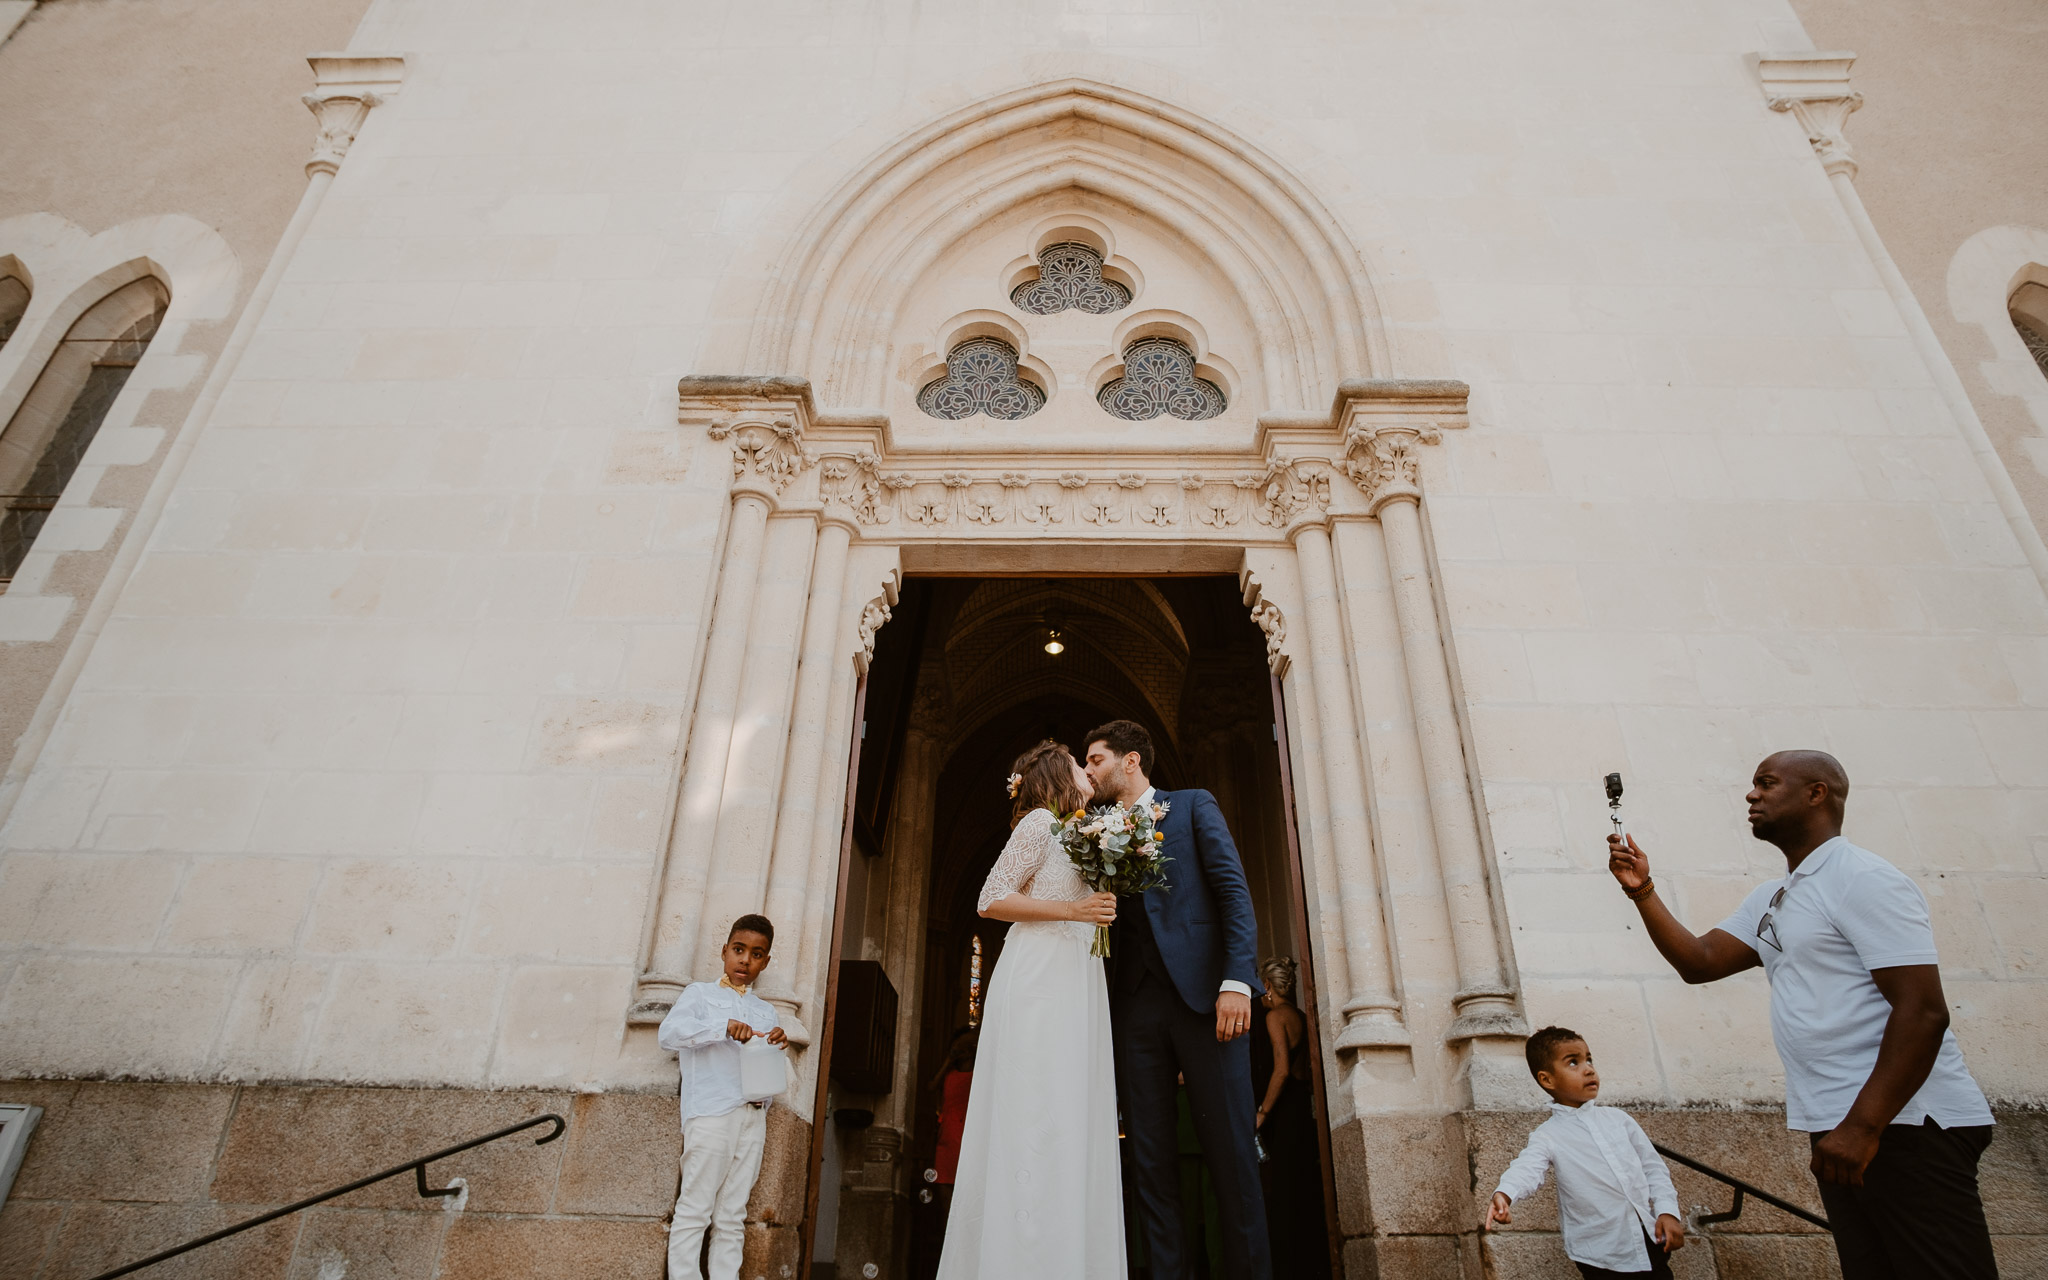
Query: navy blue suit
{"points": [[1172, 948]]}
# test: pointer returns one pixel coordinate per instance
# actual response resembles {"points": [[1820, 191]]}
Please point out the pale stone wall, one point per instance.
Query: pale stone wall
{"points": [[383, 731], [370, 777], [1949, 142], [164, 137]]}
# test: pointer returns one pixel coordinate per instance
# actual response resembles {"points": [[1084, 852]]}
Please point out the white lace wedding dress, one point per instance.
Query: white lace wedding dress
{"points": [[1039, 1193]]}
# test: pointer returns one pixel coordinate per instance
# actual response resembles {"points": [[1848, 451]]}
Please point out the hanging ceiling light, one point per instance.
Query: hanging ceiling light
{"points": [[1053, 644]]}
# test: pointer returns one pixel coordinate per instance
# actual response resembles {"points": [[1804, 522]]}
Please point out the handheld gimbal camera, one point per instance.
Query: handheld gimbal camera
{"points": [[1614, 800]]}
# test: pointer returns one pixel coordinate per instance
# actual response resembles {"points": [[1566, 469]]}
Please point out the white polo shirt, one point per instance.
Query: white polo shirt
{"points": [[1845, 912]]}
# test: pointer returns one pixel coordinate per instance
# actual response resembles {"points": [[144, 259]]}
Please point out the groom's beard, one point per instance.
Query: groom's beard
{"points": [[1104, 794]]}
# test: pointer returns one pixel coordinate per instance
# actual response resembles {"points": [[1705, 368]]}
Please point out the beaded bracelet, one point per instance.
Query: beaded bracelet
{"points": [[1649, 886]]}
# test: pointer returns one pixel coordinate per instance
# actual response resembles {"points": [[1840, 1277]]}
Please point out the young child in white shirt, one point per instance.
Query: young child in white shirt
{"points": [[1615, 1203], [723, 1131]]}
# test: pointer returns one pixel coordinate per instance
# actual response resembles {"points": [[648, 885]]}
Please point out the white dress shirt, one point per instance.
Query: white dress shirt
{"points": [[1610, 1184], [1228, 984], [708, 1061], [1844, 912]]}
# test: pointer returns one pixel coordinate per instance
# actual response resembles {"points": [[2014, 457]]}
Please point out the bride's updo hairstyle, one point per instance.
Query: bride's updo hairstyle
{"points": [[1044, 779]]}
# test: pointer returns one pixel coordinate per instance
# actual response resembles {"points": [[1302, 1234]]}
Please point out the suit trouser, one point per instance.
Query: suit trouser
{"points": [[1918, 1214], [1158, 1038], [721, 1159]]}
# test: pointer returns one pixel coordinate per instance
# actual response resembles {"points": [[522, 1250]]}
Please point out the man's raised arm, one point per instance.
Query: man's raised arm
{"points": [[1708, 958]]}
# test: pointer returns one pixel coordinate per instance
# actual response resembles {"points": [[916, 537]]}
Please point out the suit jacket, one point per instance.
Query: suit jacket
{"points": [[1202, 920]]}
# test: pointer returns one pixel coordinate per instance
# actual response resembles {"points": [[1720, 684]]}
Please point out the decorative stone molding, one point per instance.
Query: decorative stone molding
{"points": [[764, 420], [1814, 88], [1267, 491], [1270, 620], [1384, 424], [873, 617], [346, 87]]}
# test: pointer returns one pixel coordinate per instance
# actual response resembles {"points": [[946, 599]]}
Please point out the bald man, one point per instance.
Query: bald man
{"points": [[1872, 1072]]}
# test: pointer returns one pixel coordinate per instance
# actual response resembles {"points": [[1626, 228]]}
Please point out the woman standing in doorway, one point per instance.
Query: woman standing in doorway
{"points": [[1292, 1175], [1039, 1191]]}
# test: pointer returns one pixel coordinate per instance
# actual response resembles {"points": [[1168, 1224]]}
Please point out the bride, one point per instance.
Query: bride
{"points": [[1039, 1192]]}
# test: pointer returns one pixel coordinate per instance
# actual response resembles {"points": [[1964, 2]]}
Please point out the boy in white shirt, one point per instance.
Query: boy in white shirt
{"points": [[1615, 1203], [723, 1132]]}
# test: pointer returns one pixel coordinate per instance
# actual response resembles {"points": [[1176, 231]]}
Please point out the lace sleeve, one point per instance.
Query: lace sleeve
{"points": [[1020, 859]]}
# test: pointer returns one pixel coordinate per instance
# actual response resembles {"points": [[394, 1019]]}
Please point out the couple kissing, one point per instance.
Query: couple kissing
{"points": [[1039, 1190]]}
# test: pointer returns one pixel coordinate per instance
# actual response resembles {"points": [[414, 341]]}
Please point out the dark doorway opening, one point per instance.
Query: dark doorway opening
{"points": [[970, 674]]}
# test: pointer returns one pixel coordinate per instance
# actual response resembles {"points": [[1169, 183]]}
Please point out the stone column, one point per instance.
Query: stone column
{"points": [[829, 810], [790, 864], [1385, 463], [737, 878], [1372, 1010], [1814, 89], [911, 814], [767, 454]]}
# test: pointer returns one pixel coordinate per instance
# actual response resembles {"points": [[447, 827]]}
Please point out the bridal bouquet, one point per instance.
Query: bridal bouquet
{"points": [[1116, 848]]}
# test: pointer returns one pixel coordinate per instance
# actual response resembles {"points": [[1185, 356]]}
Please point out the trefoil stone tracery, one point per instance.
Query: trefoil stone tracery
{"points": [[1159, 378], [1070, 279], [981, 377]]}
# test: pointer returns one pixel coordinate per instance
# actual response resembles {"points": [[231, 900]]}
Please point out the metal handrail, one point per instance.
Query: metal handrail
{"points": [[418, 1167], [1741, 1189]]}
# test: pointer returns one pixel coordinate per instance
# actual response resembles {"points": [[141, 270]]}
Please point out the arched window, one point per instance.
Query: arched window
{"points": [[48, 435], [2028, 307], [13, 302]]}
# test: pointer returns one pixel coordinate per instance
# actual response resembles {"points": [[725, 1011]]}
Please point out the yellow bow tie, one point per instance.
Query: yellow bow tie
{"points": [[725, 982]]}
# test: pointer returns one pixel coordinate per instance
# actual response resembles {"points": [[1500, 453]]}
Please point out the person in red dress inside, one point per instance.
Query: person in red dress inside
{"points": [[956, 1079]]}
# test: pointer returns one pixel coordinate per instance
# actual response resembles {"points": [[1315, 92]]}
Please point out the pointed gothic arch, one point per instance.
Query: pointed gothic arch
{"points": [[827, 306]]}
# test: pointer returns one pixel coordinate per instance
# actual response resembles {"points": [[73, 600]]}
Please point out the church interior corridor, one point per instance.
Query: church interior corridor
{"points": [[971, 673]]}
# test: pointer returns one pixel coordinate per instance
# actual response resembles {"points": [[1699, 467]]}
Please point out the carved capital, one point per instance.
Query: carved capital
{"points": [[767, 453], [346, 87], [1384, 460], [1288, 490], [853, 486], [1814, 89]]}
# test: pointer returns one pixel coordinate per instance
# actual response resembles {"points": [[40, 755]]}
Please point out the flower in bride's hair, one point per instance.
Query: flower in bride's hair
{"points": [[1016, 780]]}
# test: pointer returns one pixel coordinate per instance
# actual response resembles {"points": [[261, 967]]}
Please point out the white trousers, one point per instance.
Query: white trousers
{"points": [[721, 1159]]}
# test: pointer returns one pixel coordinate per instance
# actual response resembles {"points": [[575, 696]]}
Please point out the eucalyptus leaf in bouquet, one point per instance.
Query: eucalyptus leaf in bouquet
{"points": [[1116, 848]]}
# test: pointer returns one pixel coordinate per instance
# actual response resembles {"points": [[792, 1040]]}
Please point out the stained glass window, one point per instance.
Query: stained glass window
{"points": [[1159, 378], [981, 377], [1070, 279]]}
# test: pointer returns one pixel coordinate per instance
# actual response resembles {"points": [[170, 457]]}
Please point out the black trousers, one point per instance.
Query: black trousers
{"points": [[1158, 1038], [1918, 1214], [1660, 1265]]}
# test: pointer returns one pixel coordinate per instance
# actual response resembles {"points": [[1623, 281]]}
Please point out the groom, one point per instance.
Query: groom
{"points": [[1180, 1005]]}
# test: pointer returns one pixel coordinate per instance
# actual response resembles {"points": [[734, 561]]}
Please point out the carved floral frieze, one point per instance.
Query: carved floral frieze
{"points": [[1284, 493], [847, 468]]}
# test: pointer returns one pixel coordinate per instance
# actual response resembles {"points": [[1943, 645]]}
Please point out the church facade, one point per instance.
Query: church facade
{"points": [[661, 461]]}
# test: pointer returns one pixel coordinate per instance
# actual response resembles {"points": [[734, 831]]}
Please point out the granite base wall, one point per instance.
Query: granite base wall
{"points": [[119, 1170], [1411, 1191], [116, 1171]]}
